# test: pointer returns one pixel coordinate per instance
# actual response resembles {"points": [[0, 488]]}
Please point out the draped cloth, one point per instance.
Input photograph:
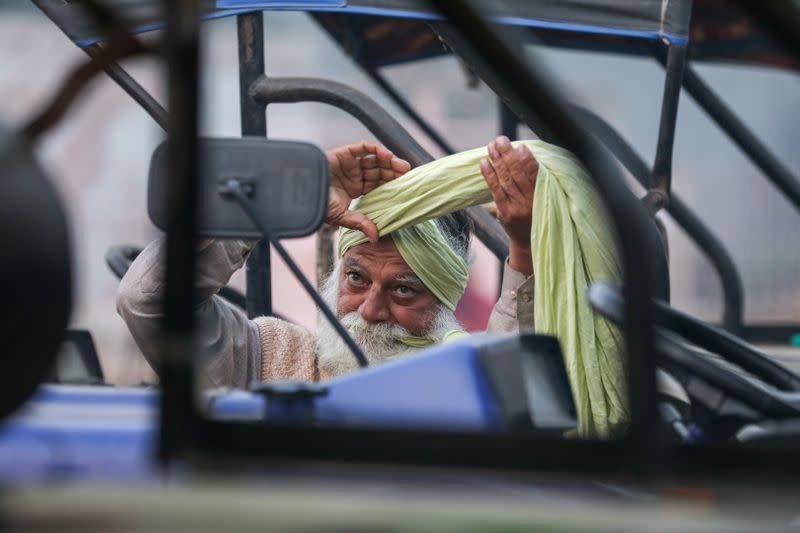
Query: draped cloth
{"points": [[572, 248]]}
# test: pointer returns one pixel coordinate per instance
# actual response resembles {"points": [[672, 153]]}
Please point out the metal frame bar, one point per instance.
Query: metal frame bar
{"points": [[507, 121], [658, 196], [133, 88], [704, 239], [407, 108], [268, 90], [179, 419], [739, 133], [252, 58], [770, 333]]}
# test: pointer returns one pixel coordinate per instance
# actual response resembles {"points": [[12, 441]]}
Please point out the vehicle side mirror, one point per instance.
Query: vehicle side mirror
{"points": [[286, 181]]}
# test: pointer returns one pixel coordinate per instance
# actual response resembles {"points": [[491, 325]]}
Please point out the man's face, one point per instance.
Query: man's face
{"points": [[377, 283], [379, 300]]}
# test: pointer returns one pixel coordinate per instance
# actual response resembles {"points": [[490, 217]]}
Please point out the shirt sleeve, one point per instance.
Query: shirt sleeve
{"points": [[513, 312], [227, 341]]}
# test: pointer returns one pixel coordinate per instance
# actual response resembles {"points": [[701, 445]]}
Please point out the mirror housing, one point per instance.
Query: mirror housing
{"points": [[287, 180]]}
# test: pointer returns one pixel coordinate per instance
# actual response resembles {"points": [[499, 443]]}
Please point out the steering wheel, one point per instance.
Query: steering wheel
{"points": [[674, 328], [120, 257]]}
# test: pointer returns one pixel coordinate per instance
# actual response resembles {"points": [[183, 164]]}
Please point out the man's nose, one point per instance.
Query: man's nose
{"points": [[374, 308]]}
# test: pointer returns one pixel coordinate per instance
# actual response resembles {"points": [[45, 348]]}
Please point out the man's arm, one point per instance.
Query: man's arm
{"points": [[511, 176], [513, 312], [224, 334], [231, 341]]}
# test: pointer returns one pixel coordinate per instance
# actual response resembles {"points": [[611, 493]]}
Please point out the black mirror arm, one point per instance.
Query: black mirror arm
{"points": [[234, 189]]}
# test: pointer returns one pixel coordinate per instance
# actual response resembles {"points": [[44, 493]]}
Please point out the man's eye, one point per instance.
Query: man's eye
{"points": [[405, 290], [354, 277]]}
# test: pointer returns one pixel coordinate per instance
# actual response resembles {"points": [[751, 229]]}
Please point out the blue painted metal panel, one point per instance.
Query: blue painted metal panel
{"points": [[236, 405], [110, 433], [443, 387], [279, 4], [81, 432], [228, 8], [673, 38], [96, 395]]}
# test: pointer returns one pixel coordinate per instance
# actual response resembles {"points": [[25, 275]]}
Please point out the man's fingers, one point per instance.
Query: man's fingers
{"points": [[390, 169], [524, 170], [370, 155], [371, 178], [530, 165], [490, 175], [503, 145], [375, 177], [500, 165], [361, 149], [380, 155], [388, 174], [513, 162], [359, 221], [384, 156], [400, 166], [386, 159], [494, 154], [346, 161]]}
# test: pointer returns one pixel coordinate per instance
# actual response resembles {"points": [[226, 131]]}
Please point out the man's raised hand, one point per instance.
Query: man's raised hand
{"points": [[511, 176], [356, 169]]}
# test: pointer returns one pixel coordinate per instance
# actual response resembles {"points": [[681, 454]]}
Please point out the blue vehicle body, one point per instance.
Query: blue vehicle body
{"points": [[110, 433]]}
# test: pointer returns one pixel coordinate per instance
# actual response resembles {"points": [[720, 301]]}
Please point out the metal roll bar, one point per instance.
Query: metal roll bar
{"points": [[179, 417], [408, 109], [706, 241], [658, 196], [739, 133], [250, 33]]}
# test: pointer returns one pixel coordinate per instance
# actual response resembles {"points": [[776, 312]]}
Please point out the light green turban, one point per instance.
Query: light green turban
{"points": [[572, 248]]}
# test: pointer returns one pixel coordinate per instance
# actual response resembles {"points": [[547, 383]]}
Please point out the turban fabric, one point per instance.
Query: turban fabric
{"points": [[571, 244]]}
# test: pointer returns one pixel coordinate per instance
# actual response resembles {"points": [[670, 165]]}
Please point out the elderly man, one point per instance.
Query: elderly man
{"points": [[374, 292]]}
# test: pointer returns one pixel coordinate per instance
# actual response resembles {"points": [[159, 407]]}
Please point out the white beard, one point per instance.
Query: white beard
{"points": [[379, 342]]}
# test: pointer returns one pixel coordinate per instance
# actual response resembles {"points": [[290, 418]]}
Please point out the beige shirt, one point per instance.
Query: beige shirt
{"points": [[240, 351]]}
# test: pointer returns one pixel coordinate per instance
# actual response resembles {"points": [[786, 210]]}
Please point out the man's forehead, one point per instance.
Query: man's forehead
{"points": [[381, 255]]}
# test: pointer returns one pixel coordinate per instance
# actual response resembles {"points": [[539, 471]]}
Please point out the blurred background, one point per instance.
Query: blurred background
{"points": [[99, 157]]}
